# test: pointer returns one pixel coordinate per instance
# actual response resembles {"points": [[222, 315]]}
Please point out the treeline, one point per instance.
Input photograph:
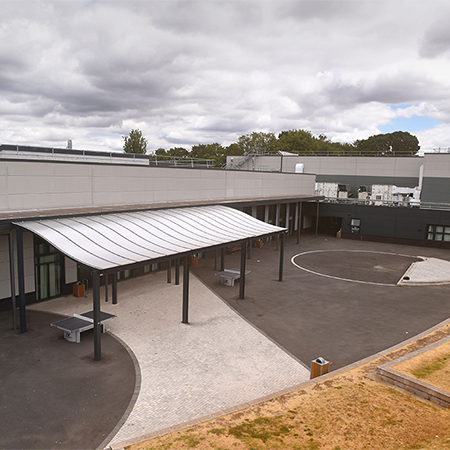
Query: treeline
{"points": [[301, 142]]}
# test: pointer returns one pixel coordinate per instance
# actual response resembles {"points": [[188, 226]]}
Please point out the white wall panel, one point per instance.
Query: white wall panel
{"points": [[40, 185], [71, 270]]}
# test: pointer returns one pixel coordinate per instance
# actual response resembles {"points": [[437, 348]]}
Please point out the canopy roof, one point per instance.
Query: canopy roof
{"points": [[113, 240]]}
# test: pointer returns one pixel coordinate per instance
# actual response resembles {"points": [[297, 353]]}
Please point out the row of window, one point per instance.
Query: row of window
{"points": [[438, 233]]}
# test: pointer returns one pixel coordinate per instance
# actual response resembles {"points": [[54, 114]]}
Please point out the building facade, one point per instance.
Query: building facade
{"points": [[397, 199], [34, 187]]}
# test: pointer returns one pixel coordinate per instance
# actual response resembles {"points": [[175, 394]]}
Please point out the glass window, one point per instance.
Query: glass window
{"points": [[48, 267], [438, 233]]}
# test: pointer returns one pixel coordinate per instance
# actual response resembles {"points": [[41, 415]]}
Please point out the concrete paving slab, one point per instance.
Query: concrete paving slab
{"points": [[428, 271], [214, 363]]}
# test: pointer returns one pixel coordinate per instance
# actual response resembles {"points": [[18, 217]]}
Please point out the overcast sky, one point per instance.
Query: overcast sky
{"points": [[188, 72]]}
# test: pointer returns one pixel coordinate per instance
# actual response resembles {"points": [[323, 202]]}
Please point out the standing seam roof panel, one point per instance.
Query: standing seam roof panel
{"points": [[113, 240]]}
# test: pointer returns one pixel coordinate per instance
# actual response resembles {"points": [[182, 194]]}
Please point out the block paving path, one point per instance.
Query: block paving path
{"points": [[215, 363]]}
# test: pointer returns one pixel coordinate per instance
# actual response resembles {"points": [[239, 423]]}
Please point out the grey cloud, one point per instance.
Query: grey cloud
{"points": [[202, 71], [436, 41]]}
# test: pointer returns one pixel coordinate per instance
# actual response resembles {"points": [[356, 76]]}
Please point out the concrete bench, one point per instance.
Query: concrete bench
{"points": [[229, 276], [74, 326]]}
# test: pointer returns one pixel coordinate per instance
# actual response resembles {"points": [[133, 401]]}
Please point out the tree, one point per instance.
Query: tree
{"points": [[297, 141], [260, 143], [213, 151], [178, 152], [399, 143], [135, 143]]}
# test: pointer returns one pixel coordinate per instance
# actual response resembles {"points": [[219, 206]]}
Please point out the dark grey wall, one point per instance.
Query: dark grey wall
{"points": [[436, 190], [387, 222]]}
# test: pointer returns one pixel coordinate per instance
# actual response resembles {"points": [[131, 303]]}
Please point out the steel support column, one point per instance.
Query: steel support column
{"points": [[242, 277], [280, 278], [12, 277], [21, 276], [299, 224], [287, 222], [169, 271], [106, 275], [114, 288], [317, 218], [222, 259], [185, 318], [96, 308], [177, 271]]}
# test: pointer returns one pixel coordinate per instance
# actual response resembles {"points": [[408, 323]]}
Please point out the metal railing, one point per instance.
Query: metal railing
{"points": [[65, 154], [389, 203]]}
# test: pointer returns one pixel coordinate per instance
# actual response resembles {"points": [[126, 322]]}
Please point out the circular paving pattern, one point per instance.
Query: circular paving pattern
{"points": [[356, 266]]}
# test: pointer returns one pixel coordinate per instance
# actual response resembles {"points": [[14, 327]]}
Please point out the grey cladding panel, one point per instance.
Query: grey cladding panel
{"points": [[436, 190]]}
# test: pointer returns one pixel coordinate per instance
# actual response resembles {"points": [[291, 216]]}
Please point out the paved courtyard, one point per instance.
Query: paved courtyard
{"points": [[339, 300], [214, 364]]}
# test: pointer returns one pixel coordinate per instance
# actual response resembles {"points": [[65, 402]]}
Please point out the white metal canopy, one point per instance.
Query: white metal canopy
{"points": [[112, 240]]}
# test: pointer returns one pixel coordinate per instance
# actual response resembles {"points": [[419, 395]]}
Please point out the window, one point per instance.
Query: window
{"points": [[355, 225], [438, 233], [124, 274], [49, 270], [151, 267]]}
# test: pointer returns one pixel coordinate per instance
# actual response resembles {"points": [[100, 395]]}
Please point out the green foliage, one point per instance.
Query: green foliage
{"points": [[175, 152], [301, 142], [399, 143], [259, 143], [135, 143], [209, 151]]}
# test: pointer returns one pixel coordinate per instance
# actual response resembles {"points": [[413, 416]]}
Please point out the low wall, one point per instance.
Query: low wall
{"points": [[413, 385]]}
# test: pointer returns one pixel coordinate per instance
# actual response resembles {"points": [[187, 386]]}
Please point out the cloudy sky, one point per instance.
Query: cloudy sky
{"points": [[187, 72]]}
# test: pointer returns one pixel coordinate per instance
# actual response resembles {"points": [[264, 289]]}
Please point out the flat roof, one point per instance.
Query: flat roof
{"points": [[8, 217]]}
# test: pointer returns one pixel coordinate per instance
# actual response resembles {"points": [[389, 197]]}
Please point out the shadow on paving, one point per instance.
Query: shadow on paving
{"points": [[342, 321], [53, 394]]}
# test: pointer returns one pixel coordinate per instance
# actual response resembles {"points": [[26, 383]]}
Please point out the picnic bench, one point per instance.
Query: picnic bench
{"points": [[229, 276], [74, 326]]}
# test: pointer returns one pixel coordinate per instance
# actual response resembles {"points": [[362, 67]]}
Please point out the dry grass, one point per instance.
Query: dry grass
{"points": [[432, 366], [347, 411]]}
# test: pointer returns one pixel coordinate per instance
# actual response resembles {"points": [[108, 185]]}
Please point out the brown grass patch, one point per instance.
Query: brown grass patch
{"points": [[347, 411], [432, 366]]}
